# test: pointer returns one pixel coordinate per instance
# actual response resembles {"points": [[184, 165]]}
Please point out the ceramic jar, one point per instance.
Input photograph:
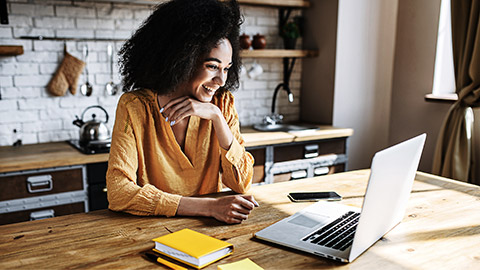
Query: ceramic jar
{"points": [[245, 42], [259, 42]]}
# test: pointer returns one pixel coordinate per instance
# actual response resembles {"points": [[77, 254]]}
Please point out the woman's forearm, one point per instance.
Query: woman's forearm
{"points": [[191, 206], [222, 130]]}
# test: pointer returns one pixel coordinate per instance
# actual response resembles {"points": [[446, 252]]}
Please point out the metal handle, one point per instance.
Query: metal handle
{"points": [[310, 151], [49, 213], [96, 106], [40, 183], [110, 56], [321, 171], [298, 174]]}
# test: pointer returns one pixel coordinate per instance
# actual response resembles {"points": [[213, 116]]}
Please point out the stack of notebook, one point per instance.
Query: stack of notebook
{"points": [[192, 248]]}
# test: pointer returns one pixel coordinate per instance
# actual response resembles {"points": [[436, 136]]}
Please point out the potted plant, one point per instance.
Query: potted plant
{"points": [[290, 32]]}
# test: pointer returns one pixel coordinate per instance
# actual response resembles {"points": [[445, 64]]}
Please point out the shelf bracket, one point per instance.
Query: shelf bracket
{"points": [[283, 15]]}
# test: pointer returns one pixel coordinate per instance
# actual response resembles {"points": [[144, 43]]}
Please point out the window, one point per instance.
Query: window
{"points": [[444, 75]]}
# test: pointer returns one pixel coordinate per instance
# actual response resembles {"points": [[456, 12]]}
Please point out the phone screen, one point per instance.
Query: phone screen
{"points": [[314, 196]]}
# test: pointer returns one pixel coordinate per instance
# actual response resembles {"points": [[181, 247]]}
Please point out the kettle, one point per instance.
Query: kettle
{"points": [[92, 130]]}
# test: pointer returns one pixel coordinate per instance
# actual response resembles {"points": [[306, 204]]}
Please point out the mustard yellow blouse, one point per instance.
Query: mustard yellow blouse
{"points": [[147, 170]]}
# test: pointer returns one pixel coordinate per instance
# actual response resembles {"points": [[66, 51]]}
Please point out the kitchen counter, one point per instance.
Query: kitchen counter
{"points": [[257, 138], [57, 154]]}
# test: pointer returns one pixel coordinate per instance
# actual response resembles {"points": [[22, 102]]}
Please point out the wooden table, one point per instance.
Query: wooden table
{"points": [[441, 230]]}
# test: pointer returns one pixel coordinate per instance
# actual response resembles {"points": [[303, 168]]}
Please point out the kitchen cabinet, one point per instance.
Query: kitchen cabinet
{"points": [[37, 194], [297, 160], [52, 179], [43, 180]]}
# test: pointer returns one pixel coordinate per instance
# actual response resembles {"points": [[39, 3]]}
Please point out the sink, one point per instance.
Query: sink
{"points": [[284, 127]]}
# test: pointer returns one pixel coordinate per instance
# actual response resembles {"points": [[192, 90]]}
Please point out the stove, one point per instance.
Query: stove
{"points": [[93, 147]]}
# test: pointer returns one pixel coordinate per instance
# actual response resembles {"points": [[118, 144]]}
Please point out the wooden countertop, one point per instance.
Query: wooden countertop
{"points": [[440, 230], [257, 138], [43, 155], [56, 154]]}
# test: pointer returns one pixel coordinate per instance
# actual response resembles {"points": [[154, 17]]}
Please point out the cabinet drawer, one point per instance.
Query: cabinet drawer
{"points": [[40, 183], [298, 151], [58, 210], [283, 177]]}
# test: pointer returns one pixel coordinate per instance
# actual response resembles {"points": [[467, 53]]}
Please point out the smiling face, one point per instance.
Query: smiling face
{"points": [[211, 73]]}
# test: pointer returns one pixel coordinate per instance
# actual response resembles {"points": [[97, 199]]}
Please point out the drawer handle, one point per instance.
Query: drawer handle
{"points": [[321, 171], [298, 175], [49, 213], [310, 151], [39, 183]]}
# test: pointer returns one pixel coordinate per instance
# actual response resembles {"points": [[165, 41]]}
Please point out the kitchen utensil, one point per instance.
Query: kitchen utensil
{"points": [[86, 89], [93, 131], [255, 70], [111, 87]]}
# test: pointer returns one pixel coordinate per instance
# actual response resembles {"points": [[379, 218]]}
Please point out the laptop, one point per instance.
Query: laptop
{"points": [[341, 232]]}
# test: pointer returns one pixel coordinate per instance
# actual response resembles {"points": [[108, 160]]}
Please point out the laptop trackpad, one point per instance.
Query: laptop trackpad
{"points": [[309, 219]]}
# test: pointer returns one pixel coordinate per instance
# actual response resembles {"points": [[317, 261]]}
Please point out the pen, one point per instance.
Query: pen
{"points": [[158, 259]]}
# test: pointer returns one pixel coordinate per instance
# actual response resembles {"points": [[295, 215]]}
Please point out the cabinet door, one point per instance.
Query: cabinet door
{"points": [[97, 186]]}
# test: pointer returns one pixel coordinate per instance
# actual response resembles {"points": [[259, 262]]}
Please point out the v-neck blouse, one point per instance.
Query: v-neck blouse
{"points": [[147, 170]]}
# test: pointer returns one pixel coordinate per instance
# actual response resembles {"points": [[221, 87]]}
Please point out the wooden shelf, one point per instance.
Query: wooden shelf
{"points": [[266, 3], [278, 53], [276, 3], [11, 50]]}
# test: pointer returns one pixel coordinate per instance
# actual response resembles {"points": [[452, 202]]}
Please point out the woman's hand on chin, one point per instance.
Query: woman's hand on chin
{"points": [[179, 108]]}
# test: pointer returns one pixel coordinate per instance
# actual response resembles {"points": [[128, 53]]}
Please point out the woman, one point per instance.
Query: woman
{"points": [[176, 135]]}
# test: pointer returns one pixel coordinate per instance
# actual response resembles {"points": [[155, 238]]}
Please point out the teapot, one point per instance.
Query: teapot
{"points": [[92, 130]]}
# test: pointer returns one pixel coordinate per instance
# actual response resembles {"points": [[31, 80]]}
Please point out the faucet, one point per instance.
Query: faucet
{"points": [[275, 118]]}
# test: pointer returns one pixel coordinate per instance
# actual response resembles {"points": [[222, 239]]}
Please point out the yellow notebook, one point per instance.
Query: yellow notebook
{"points": [[192, 248]]}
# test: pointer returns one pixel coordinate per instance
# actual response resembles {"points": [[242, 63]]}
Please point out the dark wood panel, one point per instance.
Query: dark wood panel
{"points": [[259, 155], [258, 174], [259, 165], [15, 187], [336, 168]]}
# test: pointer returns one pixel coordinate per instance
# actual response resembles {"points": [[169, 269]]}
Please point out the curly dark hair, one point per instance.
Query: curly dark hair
{"points": [[167, 48]]}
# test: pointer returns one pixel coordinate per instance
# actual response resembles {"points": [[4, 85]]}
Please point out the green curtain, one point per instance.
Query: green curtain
{"points": [[454, 154]]}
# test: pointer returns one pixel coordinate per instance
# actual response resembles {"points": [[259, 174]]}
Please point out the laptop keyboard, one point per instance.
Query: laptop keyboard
{"points": [[338, 234]]}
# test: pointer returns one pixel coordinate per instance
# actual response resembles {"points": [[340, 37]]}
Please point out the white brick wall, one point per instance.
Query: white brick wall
{"points": [[27, 107]]}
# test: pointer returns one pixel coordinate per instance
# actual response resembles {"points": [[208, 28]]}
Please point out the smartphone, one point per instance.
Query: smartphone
{"points": [[314, 196]]}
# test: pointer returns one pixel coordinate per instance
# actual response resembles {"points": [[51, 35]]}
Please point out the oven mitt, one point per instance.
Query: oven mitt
{"points": [[67, 76]]}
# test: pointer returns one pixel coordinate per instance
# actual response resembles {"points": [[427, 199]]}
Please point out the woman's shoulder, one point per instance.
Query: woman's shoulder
{"points": [[223, 98], [143, 96]]}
